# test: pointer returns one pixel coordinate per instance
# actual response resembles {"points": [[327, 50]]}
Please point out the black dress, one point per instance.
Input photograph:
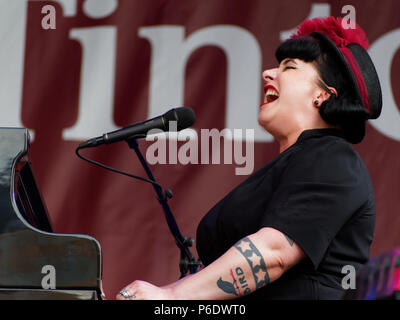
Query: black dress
{"points": [[319, 193]]}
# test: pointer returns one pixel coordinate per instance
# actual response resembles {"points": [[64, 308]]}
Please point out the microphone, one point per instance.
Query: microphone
{"points": [[183, 116]]}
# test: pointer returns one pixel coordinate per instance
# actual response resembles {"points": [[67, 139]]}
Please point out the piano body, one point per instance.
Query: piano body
{"points": [[35, 262]]}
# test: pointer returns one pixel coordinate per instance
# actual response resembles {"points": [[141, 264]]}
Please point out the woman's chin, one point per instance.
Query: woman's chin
{"points": [[263, 123]]}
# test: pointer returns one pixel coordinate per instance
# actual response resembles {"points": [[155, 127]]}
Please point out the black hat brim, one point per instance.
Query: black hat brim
{"points": [[367, 69]]}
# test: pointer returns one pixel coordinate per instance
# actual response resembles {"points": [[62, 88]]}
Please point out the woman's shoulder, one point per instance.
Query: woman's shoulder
{"points": [[325, 146], [328, 156]]}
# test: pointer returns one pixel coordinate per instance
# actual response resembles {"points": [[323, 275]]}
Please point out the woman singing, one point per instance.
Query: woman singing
{"points": [[289, 229]]}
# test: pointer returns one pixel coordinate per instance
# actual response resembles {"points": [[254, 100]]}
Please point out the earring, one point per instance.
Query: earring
{"points": [[316, 102]]}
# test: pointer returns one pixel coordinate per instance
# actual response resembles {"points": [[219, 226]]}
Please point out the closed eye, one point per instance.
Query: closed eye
{"points": [[288, 64]]}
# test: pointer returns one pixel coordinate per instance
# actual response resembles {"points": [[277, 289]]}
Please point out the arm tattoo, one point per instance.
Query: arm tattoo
{"points": [[255, 260], [238, 286], [289, 240], [227, 286]]}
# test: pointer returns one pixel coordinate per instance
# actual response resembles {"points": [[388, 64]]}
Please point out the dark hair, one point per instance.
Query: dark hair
{"points": [[344, 110]]}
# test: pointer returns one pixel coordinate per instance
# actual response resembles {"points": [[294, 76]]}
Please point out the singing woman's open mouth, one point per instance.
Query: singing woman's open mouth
{"points": [[271, 94]]}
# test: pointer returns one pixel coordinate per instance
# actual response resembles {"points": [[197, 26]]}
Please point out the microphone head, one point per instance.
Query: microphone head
{"points": [[183, 116]]}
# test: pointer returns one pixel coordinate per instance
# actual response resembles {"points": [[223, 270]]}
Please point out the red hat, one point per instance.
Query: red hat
{"points": [[350, 45]]}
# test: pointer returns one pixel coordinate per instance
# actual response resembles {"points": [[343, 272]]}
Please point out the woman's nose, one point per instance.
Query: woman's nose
{"points": [[269, 74]]}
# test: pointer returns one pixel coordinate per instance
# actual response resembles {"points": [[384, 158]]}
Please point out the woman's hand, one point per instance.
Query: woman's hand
{"points": [[142, 290]]}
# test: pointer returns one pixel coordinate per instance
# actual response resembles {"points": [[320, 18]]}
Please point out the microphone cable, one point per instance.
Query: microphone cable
{"points": [[167, 193]]}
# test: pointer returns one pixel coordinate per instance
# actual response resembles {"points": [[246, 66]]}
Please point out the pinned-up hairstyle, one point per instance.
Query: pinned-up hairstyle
{"points": [[343, 63]]}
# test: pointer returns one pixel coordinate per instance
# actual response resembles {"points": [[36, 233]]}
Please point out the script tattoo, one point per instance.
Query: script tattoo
{"points": [[255, 260], [238, 286]]}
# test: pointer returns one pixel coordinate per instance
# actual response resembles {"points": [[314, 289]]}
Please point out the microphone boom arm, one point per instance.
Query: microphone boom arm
{"points": [[187, 261]]}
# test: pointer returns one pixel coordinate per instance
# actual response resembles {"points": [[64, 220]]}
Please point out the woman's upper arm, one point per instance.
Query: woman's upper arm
{"points": [[284, 248]]}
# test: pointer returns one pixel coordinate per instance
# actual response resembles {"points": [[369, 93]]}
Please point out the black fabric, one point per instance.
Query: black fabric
{"points": [[367, 69], [319, 193], [370, 77]]}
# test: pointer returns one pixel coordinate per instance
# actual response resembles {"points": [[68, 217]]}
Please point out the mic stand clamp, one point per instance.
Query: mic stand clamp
{"points": [[187, 261]]}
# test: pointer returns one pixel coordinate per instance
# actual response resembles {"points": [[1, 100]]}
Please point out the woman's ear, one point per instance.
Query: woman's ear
{"points": [[325, 95], [333, 91]]}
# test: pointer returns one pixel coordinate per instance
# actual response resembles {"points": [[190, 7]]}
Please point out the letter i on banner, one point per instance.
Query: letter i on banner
{"points": [[99, 45]]}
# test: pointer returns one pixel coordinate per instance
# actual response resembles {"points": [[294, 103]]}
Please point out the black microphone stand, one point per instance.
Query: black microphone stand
{"points": [[187, 261]]}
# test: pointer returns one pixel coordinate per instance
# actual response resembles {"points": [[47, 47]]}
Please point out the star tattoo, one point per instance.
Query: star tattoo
{"points": [[255, 260], [244, 246]]}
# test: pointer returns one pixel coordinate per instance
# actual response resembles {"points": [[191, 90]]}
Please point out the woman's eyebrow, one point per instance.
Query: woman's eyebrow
{"points": [[286, 61]]}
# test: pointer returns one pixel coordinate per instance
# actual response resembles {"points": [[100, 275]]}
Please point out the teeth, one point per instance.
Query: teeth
{"points": [[272, 92], [271, 95]]}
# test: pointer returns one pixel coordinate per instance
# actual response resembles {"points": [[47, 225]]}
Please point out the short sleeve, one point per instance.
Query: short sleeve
{"points": [[318, 191]]}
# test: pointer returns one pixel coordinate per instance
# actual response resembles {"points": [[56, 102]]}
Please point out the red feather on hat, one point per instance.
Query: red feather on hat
{"points": [[333, 28]]}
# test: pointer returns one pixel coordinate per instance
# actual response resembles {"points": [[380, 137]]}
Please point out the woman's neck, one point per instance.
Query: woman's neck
{"points": [[286, 142]]}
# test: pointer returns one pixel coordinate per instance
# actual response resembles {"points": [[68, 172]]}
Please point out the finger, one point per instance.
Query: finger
{"points": [[125, 294]]}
